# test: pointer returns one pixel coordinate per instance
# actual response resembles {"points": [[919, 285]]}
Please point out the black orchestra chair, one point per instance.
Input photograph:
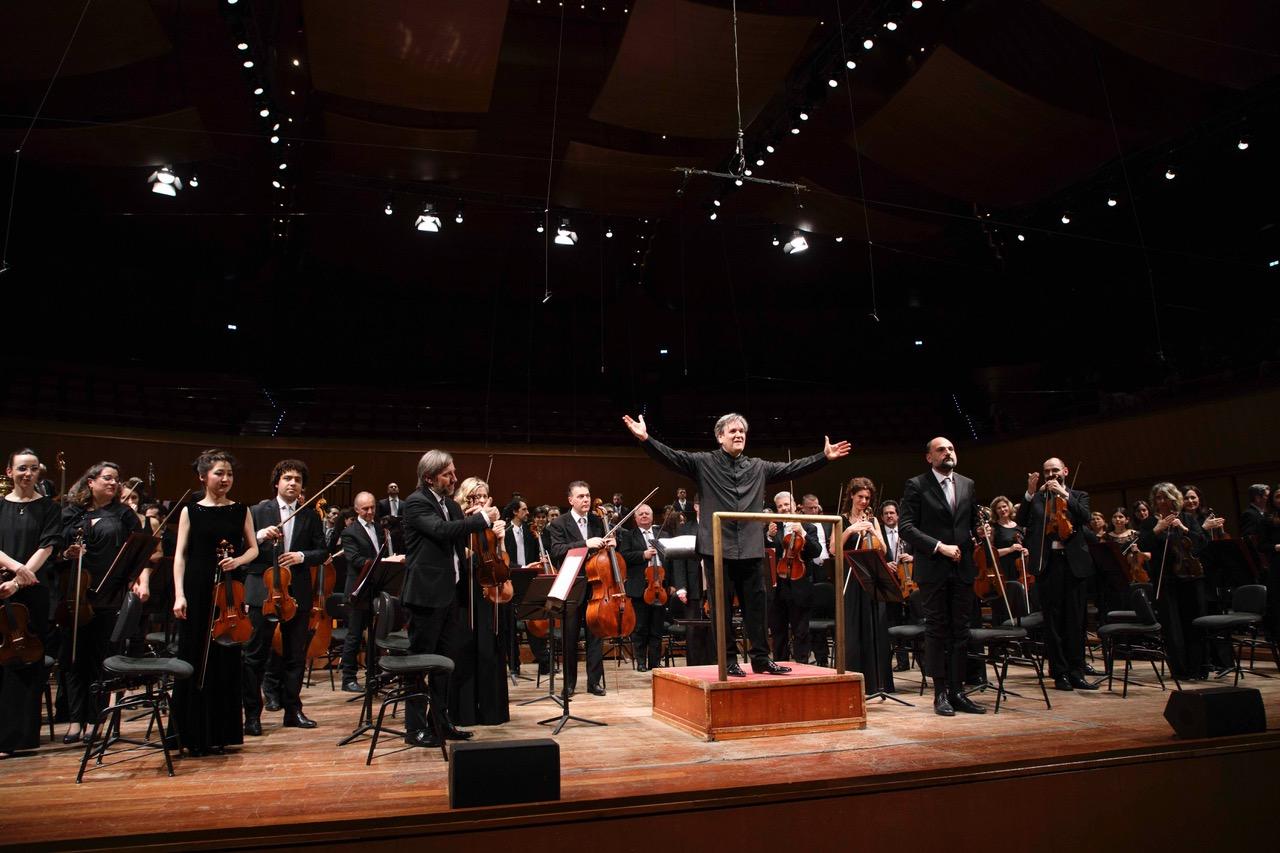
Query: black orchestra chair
{"points": [[1131, 615], [822, 617], [122, 677], [999, 642], [405, 676], [1248, 604], [334, 608], [908, 637], [1141, 637]]}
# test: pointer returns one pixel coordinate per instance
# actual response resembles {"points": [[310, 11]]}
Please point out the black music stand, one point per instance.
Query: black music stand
{"points": [[533, 605], [1109, 559], [572, 607], [521, 578], [877, 581], [385, 576], [131, 559]]}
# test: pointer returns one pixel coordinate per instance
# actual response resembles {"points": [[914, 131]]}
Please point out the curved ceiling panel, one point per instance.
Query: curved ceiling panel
{"points": [[960, 131], [1230, 44], [674, 70], [177, 137], [113, 35], [390, 151], [438, 56]]}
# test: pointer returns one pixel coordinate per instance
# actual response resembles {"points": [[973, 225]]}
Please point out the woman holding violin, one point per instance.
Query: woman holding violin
{"points": [[478, 689], [206, 719], [864, 533], [30, 531], [1007, 537], [95, 522], [1174, 538]]}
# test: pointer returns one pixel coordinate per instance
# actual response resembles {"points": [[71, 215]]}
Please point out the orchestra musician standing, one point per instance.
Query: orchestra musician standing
{"points": [[1172, 535], [1062, 567], [478, 689], [579, 528], [793, 596], [30, 530], [361, 542], [868, 648], [298, 545], [638, 547], [1268, 537], [898, 555], [729, 480], [938, 517]]}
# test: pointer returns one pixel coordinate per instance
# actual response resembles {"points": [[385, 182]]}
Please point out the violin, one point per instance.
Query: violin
{"points": [[790, 565], [1217, 533], [655, 577], [319, 624], [229, 624], [1057, 520], [17, 645], [1185, 564], [75, 607], [1134, 564], [278, 605]]}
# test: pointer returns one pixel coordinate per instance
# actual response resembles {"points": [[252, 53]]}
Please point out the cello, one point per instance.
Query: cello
{"points": [[988, 563], [17, 644], [319, 625], [609, 612]]}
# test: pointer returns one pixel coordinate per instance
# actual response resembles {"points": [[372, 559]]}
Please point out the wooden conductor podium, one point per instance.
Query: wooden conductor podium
{"points": [[706, 703]]}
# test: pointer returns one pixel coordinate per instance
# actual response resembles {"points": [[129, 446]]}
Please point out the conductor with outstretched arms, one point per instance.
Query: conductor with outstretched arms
{"points": [[730, 481]]}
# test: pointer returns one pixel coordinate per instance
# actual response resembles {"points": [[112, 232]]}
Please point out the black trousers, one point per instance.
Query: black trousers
{"points": [[1063, 600], [93, 644], [1180, 602], [575, 624], [293, 662], [647, 638], [745, 579], [431, 632], [357, 622], [790, 624], [947, 604]]}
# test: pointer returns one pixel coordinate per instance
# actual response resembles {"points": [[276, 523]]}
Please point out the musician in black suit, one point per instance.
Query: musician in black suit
{"points": [[729, 480], [938, 516], [793, 597], [1254, 513], [898, 553], [361, 542], [299, 545], [1062, 568], [520, 543], [682, 504], [637, 547], [391, 504], [436, 533], [579, 528]]}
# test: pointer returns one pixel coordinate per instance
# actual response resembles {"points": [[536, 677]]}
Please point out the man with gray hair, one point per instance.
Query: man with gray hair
{"points": [[730, 481]]}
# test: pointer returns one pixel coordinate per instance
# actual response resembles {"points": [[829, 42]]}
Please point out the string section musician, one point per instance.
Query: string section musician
{"points": [[579, 528], [730, 481]]}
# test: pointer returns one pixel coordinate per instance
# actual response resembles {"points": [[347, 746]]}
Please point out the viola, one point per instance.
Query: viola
{"points": [[319, 624], [17, 644], [655, 576], [791, 563], [230, 623], [278, 604]]}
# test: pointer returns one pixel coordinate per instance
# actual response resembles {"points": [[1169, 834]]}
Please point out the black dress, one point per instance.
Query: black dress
{"points": [[24, 529], [478, 687], [867, 647], [212, 716]]}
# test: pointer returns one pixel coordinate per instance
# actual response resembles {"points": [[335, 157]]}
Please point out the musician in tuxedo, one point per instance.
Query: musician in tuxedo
{"points": [[436, 533], [793, 597], [579, 528], [729, 480], [682, 504], [1062, 568], [391, 504], [332, 528], [1255, 512], [520, 543], [810, 505], [299, 545], [361, 541], [898, 554], [638, 547], [938, 516]]}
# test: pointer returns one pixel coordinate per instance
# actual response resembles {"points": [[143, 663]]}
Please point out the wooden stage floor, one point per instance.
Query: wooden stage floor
{"points": [[290, 776]]}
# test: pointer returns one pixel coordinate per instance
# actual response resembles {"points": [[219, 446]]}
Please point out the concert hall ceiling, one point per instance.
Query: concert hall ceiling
{"points": [[953, 188]]}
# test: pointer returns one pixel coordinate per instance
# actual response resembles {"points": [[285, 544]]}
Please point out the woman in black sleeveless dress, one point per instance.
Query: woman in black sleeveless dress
{"points": [[207, 719]]}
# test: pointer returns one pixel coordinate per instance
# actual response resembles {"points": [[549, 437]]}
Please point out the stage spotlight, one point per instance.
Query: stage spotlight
{"points": [[264, 112], [1022, 238], [1243, 144], [868, 44], [769, 148], [388, 210], [194, 182], [1111, 201], [244, 45], [833, 82], [795, 131], [565, 236], [737, 182], [918, 342], [1273, 263], [608, 232], [662, 352], [248, 63], [231, 327], [713, 216], [796, 244], [746, 172], [839, 239], [759, 161], [296, 63], [850, 64], [277, 185], [1169, 174], [457, 217], [917, 4], [428, 220], [891, 25], [1066, 217], [776, 240], [804, 116], [259, 90], [284, 166], [274, 139], [716, 202], [164, 182]]}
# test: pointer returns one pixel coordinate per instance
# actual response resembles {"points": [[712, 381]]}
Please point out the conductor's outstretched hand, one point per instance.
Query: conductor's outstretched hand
{"points": [[832, 451], [638, 428]]}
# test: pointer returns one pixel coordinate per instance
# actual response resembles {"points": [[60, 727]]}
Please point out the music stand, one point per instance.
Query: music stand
{"points": [[533, 605], [384, 576], [521, 579], [877, 581], [1109, 559], [131, 559], [570, 606]]}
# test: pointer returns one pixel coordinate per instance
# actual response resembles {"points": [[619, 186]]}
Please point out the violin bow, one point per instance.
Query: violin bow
{"points": [[312, 499]]}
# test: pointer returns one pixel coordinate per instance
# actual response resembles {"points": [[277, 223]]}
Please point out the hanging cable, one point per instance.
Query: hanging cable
{"points": [[857, 159], [739, 162], [17, 154], [551, 162]]}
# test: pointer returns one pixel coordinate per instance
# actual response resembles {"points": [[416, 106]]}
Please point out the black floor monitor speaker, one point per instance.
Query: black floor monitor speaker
{"points": [[1216, 712], [494, 773]]}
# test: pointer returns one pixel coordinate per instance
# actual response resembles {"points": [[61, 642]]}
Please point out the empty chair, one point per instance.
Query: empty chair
{"points": [[1124, 637], [1248, 603]]}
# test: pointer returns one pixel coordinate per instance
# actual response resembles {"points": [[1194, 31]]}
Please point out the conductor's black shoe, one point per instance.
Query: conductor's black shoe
{"points": [[596, 690], [423, 738], [1079, 683], [298, 720], [770, 668], [941, 706], [965, 705], [253, 726], [1060, 682], [352, 686], [272, 705], [735, 670]]}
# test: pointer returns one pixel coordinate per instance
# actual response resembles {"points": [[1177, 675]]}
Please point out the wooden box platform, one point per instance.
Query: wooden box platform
{"points": [[808, 699]]}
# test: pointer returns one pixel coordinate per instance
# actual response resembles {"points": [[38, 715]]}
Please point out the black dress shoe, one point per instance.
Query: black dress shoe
{"points": [[272, 705], [1060, 682], [452, 732], [642, 668], [253, 726], [1079, 683], [352, 686], [423, 738], [965, 705], [735, 670], [941, 706], [770, 668], [217, 750], [73, 738], [1091, 672], [596, 690], [298, 720]]}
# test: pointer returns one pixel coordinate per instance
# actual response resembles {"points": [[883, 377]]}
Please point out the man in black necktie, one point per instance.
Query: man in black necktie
{"points": [[579, 528], [299, 544], [362, 541], [682, 504], [638, 548], [938, 518], [898, 554], [793, 596], [391, 504], [730, 481]]}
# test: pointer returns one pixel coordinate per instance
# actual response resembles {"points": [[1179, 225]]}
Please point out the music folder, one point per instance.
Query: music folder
{"points": [[564, 580]]}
